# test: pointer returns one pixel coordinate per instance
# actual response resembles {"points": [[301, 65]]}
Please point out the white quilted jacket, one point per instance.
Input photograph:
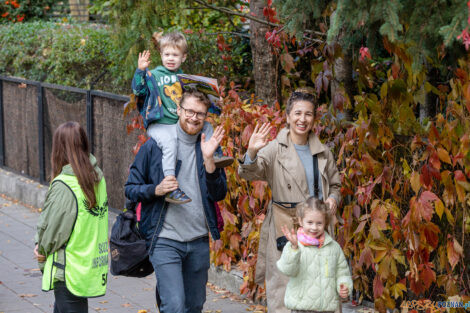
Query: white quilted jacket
{"points": [[315, 275]]}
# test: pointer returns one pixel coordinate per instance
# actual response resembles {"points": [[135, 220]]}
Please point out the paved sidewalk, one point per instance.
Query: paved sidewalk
{"points": [[20, 278]]}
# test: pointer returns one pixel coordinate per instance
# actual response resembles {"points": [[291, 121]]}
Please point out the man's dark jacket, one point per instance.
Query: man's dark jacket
{"points": [[146, 173]]}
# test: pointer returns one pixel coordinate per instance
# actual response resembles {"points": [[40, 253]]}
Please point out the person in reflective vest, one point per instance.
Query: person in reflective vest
{"points": [[72, 234]]}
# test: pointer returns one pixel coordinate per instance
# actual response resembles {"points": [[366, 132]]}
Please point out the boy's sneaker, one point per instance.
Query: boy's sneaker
{"points": [[177, 197], [223, 161]]}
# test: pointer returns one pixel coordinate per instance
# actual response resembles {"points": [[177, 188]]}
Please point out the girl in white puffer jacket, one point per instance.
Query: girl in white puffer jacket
{"points": [[315, 263]]}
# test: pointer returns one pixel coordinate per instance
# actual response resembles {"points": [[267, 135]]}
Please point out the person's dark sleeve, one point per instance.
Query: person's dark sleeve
{"points": [[137, 187], [139, 87], [216, 184]]}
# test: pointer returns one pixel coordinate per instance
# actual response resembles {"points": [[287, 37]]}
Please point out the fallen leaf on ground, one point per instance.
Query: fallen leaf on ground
{"points": [[27, 295], [126, 305], [104, 301], [257, 308]]}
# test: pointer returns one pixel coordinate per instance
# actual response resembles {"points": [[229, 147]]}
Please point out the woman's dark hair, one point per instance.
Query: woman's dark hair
{"points": [[70, 146], [300, 95]]}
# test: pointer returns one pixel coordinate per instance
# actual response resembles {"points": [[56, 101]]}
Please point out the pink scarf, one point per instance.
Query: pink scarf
{"points": [[307, 240]]}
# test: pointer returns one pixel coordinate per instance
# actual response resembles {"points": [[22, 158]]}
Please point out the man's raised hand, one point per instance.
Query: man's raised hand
{"points": [[210, 146]]}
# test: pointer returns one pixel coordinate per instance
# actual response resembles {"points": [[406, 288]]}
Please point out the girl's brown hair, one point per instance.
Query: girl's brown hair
{"points": [[313, 204], [70, 146]]}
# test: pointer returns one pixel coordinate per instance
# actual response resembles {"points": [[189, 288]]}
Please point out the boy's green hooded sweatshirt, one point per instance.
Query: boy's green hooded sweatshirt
{"points": [[169, 89], [315, 275], [57, 219]]}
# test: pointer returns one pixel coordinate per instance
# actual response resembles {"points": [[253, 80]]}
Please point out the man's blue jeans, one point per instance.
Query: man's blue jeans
{"points": [[181, 270]]}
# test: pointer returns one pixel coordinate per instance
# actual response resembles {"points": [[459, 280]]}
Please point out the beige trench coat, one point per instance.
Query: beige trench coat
{"points": [[279, 164]]}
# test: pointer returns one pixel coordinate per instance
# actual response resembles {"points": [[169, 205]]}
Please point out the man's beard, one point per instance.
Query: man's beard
{"points": [[191, 130]]}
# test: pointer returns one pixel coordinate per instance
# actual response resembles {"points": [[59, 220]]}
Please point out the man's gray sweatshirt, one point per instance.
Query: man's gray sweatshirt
{"points": [[186, 222]]}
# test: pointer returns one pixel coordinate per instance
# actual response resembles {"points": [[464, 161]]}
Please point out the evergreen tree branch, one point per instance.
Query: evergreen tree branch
{"points": [[228, 33], [232, 12], [194, 8], [254, 18], [315, 32]]}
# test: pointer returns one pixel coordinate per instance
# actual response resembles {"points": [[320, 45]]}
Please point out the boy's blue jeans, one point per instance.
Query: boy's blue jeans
{"points": [[181, 270]]}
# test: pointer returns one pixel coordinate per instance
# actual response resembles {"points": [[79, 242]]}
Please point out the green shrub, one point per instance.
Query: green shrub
{"points": [[88, 56], [79, 55]]}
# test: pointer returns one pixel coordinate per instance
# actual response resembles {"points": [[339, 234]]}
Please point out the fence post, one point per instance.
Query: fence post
{"points": [[42, 157], [89, 119], [2, 125]]}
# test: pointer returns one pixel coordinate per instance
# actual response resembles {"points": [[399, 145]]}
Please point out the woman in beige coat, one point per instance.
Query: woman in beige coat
{"points": [[288, 164]]}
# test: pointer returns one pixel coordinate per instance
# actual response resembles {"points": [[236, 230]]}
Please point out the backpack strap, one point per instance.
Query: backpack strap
{"points": [[316, 191], [138, 211]]}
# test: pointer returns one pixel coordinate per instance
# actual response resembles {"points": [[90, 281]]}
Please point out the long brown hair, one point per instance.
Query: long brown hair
{"points": [[70, 146]]}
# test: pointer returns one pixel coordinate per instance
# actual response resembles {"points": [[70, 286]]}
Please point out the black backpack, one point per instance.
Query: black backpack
{"points": [[129, 255]]}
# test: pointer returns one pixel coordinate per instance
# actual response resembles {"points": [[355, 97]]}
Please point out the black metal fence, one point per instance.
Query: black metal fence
{"points": [[30, 111]]}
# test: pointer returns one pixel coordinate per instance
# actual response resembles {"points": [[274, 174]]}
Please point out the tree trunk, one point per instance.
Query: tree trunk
{"points": [[429, 109], [343, 76], [264, 61]]}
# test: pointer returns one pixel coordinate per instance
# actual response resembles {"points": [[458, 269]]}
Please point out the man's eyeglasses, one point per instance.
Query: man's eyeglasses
{"points": [[190, 113]]}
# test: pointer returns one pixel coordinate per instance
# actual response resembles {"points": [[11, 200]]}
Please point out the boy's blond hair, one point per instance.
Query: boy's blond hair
{"points": [[173, 39]]}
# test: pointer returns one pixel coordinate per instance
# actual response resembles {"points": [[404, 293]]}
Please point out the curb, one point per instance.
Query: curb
{"points": [[230, 281], [33, 193], [18, 187]]}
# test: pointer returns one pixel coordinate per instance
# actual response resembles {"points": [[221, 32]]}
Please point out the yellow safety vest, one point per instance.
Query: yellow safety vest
{"points": [[86, 252]]}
